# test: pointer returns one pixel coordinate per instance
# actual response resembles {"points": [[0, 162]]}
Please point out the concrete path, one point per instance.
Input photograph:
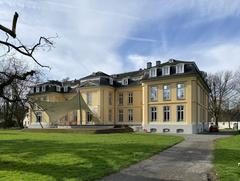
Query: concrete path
{"points": [[190, 160]]}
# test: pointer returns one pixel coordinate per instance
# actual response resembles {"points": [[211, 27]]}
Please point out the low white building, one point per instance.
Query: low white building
{"points": [[228, 124]]}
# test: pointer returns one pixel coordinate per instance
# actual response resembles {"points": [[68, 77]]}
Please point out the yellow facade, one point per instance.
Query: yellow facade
{"points": [[143, 104], [135, 106], [195, 102]]}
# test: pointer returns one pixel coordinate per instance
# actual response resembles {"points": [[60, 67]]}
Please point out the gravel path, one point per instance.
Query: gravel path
{"points": [[190, 160]]}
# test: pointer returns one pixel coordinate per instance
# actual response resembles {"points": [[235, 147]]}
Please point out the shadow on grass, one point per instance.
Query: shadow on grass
{"points": [[221, 133], [90, 160], [7, 133]]}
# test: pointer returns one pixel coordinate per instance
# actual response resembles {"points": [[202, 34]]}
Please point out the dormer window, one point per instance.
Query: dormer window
{"points": [[37, 89], [153, 72], [44, 88], [180, 68], [125, 81], [58, 88], [65, 88], [166, 70], [111, 81]]}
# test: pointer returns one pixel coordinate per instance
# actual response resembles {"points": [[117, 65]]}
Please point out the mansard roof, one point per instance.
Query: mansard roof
{"points": [[133, 77]]}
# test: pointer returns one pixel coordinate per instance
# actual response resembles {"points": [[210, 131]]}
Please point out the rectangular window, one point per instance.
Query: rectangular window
{"points": [[153, 114], [180, 91], [180, 68], [130, 98], [89, 98], [166, 70], [180, 113], [89, 117], [130, 115], [58, 88], [166, 113], [111, 81], [110, 98], [153, 93], [120, 98], [43, 88], [37, 89], [38, 117], [32, 90], [120, 115], [65, 88], [166, 92], [110, 115], [125, 81], [153, 72]]}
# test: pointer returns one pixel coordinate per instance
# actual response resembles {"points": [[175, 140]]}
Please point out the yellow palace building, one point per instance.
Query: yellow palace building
{"points": [[165, 97]]}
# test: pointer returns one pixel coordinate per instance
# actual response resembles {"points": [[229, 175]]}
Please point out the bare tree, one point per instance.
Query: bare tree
{"points": [[13, 44], [15, 75], [18, 46], [15, 95], [222, 91]]}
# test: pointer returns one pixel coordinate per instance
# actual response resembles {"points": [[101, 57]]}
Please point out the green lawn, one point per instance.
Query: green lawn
{"points": [[59, 156], [227, 157]]}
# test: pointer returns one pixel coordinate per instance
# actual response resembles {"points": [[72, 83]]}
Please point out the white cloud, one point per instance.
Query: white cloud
{"points": [[90, 32], [220, 57], [140, 61]]}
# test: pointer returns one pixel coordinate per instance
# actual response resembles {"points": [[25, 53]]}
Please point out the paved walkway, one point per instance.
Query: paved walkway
{"points": [[189, 160]]}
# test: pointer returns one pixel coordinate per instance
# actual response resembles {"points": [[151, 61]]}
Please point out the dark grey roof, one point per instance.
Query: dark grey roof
{"points": [[134, 77], [128, 74], [52, 82], [95, 74]]}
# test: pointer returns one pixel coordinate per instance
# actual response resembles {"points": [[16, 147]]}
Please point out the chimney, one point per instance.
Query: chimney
{"points": [[149, 65], [158, 62]]}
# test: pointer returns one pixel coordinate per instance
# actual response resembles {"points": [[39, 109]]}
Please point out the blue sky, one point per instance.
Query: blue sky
{"points": [[117, 36]]}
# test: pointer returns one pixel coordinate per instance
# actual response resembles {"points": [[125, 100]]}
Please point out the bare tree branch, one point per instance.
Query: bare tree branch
{"points": [[12, 32], [20, 47], [28, 51], [10, 79]]}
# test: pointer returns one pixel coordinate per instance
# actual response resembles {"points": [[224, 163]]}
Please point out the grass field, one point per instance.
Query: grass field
{"points": [[227, 157], [58, 156]]}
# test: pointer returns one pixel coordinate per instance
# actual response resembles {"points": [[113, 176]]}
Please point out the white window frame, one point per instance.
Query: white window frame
{"points": [[120, 115], [180, 68], [153, 95], [125, 81], [89, 98], [65, 89], [166, 91], [180, 113], [120, 98], [166, 113], [89, 117], [153, 114], [44, 88], [153, 72], [32, 90], [111, 81], [130, 115], [166, 70], [58, 88], [180, 91], [130, 98], [37, 89]]}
